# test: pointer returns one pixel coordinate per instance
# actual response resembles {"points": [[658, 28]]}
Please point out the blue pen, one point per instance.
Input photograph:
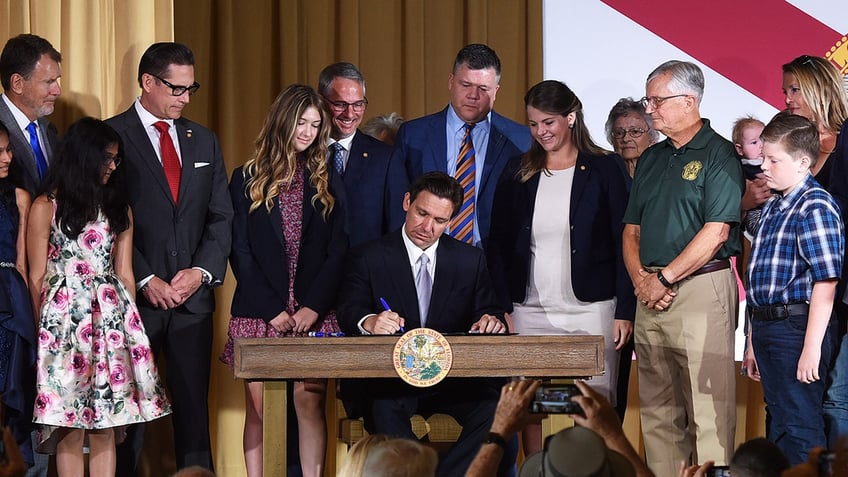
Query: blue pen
{"points": [[387, 308]]}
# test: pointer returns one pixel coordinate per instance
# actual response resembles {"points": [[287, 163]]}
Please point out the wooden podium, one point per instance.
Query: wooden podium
{"points": [[277, 359]]}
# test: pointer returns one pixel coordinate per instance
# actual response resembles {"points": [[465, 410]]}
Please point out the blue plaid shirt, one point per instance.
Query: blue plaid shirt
{"points": [[800, 241]]}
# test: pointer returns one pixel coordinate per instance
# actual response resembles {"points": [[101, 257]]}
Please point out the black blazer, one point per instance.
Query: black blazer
{"points": [[462, 287], [169, 237], [598, 201], [259, 262], [365, 191], [26, 171]]}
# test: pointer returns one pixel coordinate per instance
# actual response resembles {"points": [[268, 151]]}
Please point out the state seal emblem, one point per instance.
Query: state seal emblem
{"points": [[422, 357], [691, 170]]}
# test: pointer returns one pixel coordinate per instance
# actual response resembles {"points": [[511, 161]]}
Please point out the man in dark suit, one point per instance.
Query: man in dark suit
{"points": [[29, 72], [404, 268], [434, 142], [182, 216], [362, 161]]}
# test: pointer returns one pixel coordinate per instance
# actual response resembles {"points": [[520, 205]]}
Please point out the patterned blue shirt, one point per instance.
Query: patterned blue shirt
{"points": [[800, 241]]}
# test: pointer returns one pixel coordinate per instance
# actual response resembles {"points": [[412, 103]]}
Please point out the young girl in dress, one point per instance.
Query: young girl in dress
{"points": [[95, 370], [17, 328], [288, 250]]}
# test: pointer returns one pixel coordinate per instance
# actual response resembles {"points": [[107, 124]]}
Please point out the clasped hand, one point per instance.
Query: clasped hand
{"points": [[651, 293]]}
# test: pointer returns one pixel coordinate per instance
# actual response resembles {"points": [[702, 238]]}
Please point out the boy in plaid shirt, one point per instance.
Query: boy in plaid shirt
{"points": [[796, 260]]}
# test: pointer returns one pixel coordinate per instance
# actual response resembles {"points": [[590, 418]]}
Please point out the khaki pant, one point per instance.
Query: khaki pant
{"points": [[687, 394]]}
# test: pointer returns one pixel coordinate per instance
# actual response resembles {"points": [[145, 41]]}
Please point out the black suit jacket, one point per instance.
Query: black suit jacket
{"points": [[365, 191], [598, 200], [422, 147], [194, 233], [462, 289], [259, 262], [24, 162]]}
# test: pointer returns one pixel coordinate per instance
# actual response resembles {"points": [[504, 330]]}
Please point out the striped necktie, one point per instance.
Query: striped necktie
{"points": [[462, 226]]}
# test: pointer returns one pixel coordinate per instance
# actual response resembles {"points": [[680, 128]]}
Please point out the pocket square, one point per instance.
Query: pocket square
{"points": [[198, 165]]}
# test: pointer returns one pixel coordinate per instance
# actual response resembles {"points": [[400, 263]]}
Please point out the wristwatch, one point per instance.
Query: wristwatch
{"points": [[497, 439]]}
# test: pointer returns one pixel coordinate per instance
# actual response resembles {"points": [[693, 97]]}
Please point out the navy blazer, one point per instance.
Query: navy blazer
{"points": [[462, 287], [598, 200], [422, 147], [365, 191], [259, 262]]}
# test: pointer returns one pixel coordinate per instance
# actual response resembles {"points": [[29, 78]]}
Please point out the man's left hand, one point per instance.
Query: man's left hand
{"points": [[488, 324], [186, 282], [653, 294]]}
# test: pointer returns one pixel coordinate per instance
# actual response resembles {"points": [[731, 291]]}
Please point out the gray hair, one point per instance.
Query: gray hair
{"points": [[622, 108], [685, 78], [387, 124], [339, 70]]}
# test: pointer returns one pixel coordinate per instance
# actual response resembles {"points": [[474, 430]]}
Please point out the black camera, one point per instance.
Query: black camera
{"points": [[556, 399], [718, 471]]}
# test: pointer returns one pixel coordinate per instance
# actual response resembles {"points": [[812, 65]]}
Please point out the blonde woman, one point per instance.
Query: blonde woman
{"points": [[288, 250]]}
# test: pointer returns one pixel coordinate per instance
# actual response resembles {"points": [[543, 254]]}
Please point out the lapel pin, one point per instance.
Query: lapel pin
{"points": [[188, 132], [582, 168], [364, 154]]}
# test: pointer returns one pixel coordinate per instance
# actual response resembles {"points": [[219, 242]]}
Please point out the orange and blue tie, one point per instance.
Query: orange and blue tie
{"points": [[462, 226]]}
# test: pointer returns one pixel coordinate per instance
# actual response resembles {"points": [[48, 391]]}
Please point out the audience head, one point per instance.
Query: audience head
{"points": [[629, 129], [813, 88], [758, 458], [746, 137], [87, 177], [673, 92], [398, 457], [297, 125], [576, 452], [474, 82], [383, 127], [433, 199], [555, 115], [166, 77], [355, 460], [343, 88], [29, 72]]}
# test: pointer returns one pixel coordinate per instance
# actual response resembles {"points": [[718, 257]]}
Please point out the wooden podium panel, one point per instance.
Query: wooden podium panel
{"points": [[275, 359]]}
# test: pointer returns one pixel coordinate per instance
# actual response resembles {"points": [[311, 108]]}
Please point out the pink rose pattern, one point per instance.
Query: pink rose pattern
{"points": [[95, 366]]}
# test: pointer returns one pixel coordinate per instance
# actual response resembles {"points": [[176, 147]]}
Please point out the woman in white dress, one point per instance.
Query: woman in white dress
{"points": [[555, 246]]}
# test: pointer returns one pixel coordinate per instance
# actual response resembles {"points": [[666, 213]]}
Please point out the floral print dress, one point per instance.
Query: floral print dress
{"points": [[95, 366]]}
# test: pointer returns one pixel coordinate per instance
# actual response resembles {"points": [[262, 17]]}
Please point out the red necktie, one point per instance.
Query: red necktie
{"points": [[170, 160]]}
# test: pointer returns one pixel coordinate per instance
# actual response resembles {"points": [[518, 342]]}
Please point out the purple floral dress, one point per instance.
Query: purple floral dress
{"points": [[95, 367], [291, 215]]}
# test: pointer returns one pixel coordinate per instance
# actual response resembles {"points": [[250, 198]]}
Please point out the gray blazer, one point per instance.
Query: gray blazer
{"points": [[24, 160]]}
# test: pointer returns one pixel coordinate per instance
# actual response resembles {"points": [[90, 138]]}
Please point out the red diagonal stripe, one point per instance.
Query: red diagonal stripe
{"points": [[743, 40]]}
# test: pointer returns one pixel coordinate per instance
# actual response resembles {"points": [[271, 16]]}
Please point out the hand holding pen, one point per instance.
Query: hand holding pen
{"points": [[386, 323]]}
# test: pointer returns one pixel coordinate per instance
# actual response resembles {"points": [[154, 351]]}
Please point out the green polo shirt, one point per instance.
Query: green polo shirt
{"points": [[676, 191]]}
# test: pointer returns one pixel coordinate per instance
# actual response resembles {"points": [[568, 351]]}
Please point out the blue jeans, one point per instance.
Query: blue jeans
{"points": [[797, 423], [836, 399]]}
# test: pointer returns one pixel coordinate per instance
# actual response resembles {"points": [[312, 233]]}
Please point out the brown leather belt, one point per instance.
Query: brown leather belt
{"points": [[711, 267]]}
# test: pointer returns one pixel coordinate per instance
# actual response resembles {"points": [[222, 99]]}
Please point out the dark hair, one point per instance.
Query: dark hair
{"points": [[477, 56], [339, 70], [7, 187], [74, 179], [159, 57], [439, 184], [758, 458], [797, 134], [554, 97], [21, 54]]}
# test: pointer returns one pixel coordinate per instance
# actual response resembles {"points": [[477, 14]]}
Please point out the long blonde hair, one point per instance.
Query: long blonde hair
{"points": [[274, 160], [822, 90]]}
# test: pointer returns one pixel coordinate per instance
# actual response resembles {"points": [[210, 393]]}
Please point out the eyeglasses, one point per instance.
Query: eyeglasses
{"points": [[177, 90], [657, 101], [341, 106], [116, 160], [619, 133]]}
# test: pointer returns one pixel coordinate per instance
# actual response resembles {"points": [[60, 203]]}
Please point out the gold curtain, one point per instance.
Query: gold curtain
{"points": [[100, 41]]}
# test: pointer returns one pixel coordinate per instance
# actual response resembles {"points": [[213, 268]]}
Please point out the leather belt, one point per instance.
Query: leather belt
{"points": [[713, 266], [776, 312]]}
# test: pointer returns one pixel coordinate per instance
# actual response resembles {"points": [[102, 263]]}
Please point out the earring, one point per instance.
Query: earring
{"points": [[570, 125]]}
